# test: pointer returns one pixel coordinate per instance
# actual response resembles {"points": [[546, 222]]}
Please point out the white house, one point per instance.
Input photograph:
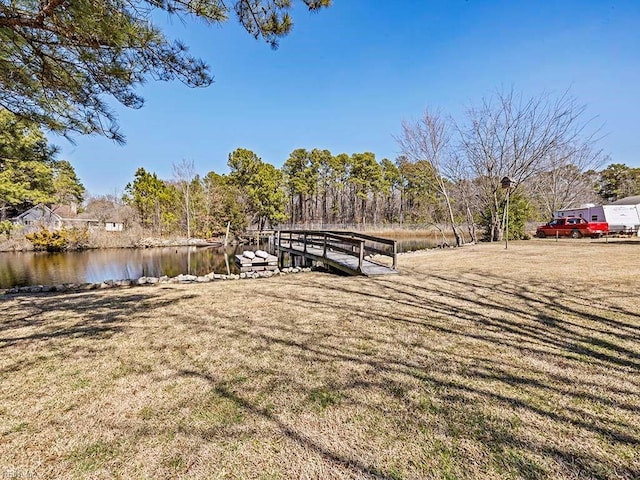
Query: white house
{"points": [[113, 226], [57, 217], [38, 217]]}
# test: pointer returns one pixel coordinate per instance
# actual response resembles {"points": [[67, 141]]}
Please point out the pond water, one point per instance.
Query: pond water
{"points": [[42, 268]]}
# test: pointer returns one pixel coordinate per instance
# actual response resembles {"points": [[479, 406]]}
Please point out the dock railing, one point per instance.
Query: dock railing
{"points": [[352, 243]]}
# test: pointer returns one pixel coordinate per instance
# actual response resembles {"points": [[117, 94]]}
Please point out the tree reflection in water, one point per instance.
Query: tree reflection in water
{"points": [[43, 268]]}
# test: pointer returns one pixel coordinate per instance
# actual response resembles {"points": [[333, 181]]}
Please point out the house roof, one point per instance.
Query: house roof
{"points": [[60, 212], [64, 211], [87, 217], [634, 200], [40, 206]]}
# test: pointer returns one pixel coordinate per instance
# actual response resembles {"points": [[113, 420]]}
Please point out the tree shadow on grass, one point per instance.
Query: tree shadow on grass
{"points": [[544, 321], [393, 365], [479, 360], [87, 315], [603, 344], [309, 443]]}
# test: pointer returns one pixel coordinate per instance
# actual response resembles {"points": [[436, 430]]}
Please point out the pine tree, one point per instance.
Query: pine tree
{"points": [[59, 59]]}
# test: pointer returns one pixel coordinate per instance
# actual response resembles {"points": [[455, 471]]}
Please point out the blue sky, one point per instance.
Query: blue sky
{"points": [[347, 76]]}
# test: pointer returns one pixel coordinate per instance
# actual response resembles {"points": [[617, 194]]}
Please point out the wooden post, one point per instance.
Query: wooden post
{"points": [[226, 237], [361, 256], [226, 263], [304, 245], [324, 246], [395, 255]]}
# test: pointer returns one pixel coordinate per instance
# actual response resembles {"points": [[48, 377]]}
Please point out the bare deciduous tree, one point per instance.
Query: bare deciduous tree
{"points": [[428, 139], [510, 135], [566, 182], [184, 173]]}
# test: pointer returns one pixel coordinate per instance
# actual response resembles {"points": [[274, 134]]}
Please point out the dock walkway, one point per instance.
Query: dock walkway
{"points": [[349, 252]]}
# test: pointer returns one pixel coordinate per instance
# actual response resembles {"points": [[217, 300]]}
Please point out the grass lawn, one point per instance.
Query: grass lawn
{"points": [[474, 363]]}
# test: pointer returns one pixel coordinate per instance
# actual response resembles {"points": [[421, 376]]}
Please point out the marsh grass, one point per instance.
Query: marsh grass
{"points": [[473, 363]]}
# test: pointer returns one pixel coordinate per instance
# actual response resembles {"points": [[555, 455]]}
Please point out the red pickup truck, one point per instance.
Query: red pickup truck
{"points": [[574, 227]]}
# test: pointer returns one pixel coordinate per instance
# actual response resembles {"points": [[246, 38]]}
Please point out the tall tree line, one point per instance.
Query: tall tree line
{"points": [[316, 188], [449, 174]]}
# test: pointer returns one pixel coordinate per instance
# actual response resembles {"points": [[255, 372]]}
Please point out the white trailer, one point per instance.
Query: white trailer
{"points": [[621, 218]]}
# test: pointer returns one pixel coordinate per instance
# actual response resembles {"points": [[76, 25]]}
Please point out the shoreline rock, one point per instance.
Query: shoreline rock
{"points": [[151, 242], [150, 281]]}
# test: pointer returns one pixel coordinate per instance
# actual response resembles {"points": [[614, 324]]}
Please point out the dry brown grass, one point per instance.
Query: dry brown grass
{"points": [[474, 363]]}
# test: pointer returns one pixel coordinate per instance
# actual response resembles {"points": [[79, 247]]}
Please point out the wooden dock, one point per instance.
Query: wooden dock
{"points": [[349, 252]]}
